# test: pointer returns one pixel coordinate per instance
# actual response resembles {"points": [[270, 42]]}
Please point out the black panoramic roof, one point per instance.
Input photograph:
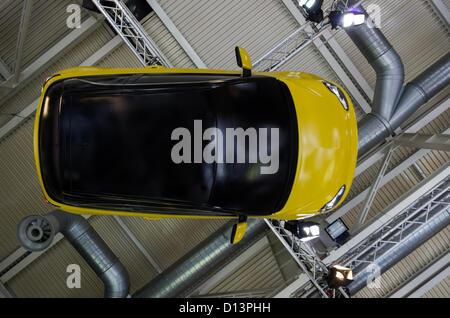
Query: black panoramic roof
{"points": [[106, 142]]}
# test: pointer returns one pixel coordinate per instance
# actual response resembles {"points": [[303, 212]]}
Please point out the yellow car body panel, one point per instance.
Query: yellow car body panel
{"points": [[327, 142]]}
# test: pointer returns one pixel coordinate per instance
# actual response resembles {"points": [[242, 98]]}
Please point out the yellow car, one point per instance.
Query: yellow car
{"points": [[158, 142]]}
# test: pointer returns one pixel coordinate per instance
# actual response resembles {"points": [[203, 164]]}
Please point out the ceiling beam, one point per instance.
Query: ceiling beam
{"points": [[443, 274], [23, 31], [442, 10], [138, 244], [387, 178], [388, 214], [176, 33], [378, 222], [426, 279], [4, 70], [18, 119], [212, 281], [4, 292], [375, 224], [440, 142], [293, 287], [348, 63], [46, 59], [428, 116], [122, 20]]}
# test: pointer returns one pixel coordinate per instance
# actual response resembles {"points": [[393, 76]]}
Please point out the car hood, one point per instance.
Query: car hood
{"points": [[327, 146]]}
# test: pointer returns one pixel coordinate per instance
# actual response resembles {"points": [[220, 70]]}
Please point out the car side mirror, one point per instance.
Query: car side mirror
{"points": [[244, 61], [239, 230]]}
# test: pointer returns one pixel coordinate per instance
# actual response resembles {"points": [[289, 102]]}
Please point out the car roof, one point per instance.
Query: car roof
{"points": [[116, 141]]}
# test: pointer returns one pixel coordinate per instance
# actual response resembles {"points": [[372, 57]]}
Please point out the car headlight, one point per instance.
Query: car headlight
{"points": [[332, 204], [339, 94]]}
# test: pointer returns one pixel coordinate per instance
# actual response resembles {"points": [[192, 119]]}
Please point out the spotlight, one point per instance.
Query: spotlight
{"points": [[305, 231], [313, 8], [339, 276], [353, 18], [346, 19]]}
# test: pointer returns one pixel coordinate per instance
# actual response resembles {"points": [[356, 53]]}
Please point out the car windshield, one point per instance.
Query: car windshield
{"points": [[113, 139]]}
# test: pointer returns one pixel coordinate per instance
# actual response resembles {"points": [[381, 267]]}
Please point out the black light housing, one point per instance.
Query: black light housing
{"points": [[339, 276], [338, 231], [313, 8], [305, 231], [139, 8]]}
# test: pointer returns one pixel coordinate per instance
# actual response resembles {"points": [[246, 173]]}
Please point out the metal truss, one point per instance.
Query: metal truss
{"points": [[307, 259], [419, 213], [298, 40], [439, 142], [400, 226], [131, 31], [287, 49]]}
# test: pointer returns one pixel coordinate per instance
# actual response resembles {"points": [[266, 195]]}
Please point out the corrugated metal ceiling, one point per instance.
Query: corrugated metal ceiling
{"points": [[213, 28]]}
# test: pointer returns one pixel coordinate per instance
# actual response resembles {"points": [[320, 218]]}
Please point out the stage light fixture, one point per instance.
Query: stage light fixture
{"points": [[305, 231], [346, 19], [313, 9], [339, 276]]}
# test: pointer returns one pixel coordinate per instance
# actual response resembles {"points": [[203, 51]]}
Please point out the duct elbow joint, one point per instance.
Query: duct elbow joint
{"points": [[116, 281]]}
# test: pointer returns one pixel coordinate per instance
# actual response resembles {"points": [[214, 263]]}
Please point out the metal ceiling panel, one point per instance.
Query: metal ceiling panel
{"points": [[214, 28], [46, 277], [72, 58], [410, 266]]}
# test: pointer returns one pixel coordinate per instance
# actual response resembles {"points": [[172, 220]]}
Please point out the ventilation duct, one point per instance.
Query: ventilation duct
{"points": [[373, 129], [392, 104], [421, 90], [36, 233], [385, 61], [190, 269], [439, 222]]}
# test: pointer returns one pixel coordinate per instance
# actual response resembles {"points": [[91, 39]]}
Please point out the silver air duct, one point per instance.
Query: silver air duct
{"points": [[373, 129], [421, 90], [390, 109], [439, 222], [392, 105], [191, 268], [386, 63], [37, 232]]}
